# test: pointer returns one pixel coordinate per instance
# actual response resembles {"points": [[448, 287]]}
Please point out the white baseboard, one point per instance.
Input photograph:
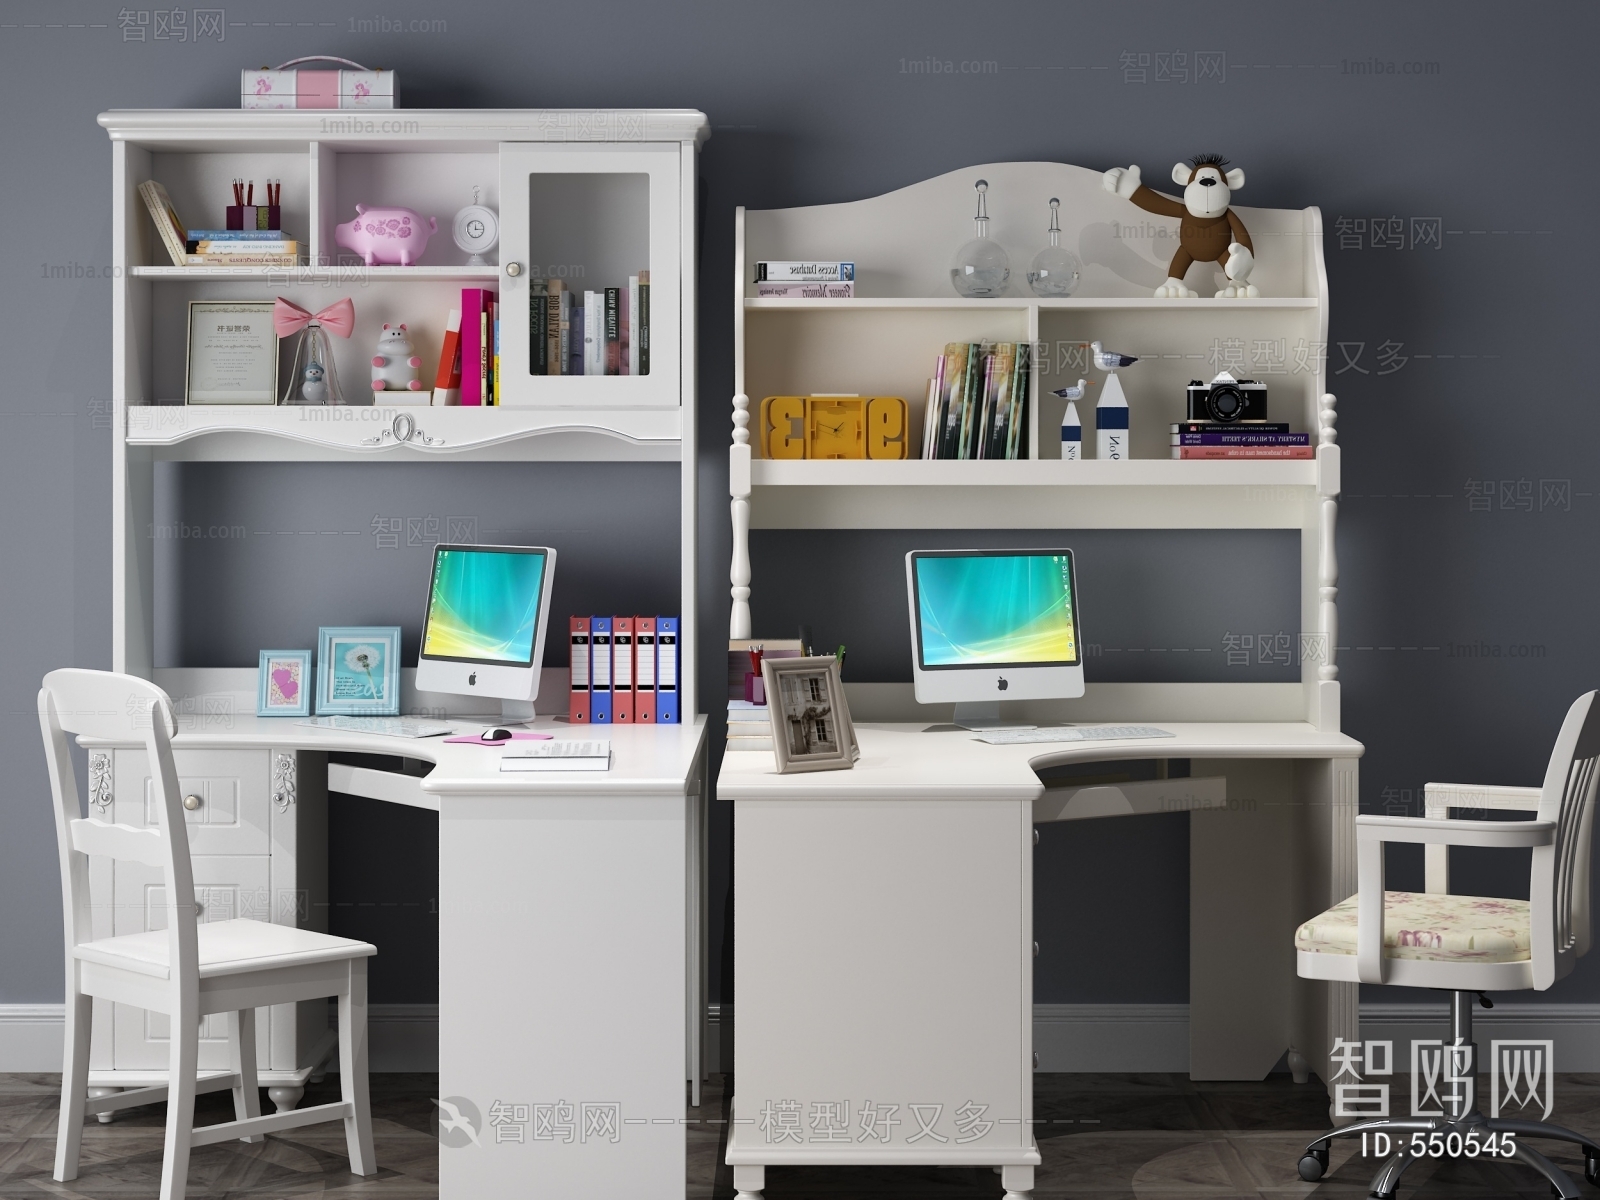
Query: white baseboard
{"points": [[1068, 1037]]}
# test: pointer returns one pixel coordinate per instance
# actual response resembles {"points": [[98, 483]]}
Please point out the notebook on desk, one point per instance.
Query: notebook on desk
{"points": [[559, 756]]}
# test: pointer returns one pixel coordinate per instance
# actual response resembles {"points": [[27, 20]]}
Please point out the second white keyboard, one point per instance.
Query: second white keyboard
{"points": [[1074, 733]]}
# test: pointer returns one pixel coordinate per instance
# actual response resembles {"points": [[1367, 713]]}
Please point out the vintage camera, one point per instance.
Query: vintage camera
{"points": [[1226, 399]]}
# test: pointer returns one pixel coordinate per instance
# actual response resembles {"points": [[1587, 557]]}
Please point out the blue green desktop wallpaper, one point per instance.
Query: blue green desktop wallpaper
{"points": [[484, 605], [991, 610]]}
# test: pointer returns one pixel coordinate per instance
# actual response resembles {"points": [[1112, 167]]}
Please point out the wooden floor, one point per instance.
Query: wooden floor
{"points": [[1106, 1137]]}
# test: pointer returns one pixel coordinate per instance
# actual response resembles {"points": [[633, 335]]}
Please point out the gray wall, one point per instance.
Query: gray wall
{"points": [[1464, 404]]}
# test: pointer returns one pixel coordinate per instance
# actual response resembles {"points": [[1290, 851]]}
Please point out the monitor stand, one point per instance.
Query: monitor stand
{"points": [[984, 716], [516, 712]]}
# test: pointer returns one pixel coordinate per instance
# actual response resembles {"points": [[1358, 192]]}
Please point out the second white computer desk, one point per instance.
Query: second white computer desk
{"points": [[571, 935], [883, 952]]}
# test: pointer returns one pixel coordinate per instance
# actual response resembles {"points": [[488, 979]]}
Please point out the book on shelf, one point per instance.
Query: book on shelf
{"points": [[632, 325], [613, 348], [807, 291], [1222, 452], [235, 235], [805, 272], [977, 402], [575, 342], [564, 332], [552, 327], [1222, 427], [1241, 438], [594, 333], [494, 364], [447, 381], [241, 260], [164, 215], [644, 322], [538, 319], [219, 246], [476, 306]]}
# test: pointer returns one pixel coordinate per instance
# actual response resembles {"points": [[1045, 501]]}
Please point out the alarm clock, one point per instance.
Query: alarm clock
{"points": [[476, 229]]}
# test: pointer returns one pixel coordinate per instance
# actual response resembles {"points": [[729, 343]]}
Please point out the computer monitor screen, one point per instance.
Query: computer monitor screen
{"points": [[483, 633], [988, 625]]}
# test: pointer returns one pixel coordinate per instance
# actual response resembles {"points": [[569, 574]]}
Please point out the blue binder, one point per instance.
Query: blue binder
{"points": [[667, 664], [600, 671]]}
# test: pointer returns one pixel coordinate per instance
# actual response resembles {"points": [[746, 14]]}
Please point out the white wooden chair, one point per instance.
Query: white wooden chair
{"points": [[189, 969], [1469, 945]]}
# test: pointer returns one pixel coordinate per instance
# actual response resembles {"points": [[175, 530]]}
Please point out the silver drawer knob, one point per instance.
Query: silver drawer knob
{"points": [[513, 269], [198, 908], [192, 802], [1036, 949]]}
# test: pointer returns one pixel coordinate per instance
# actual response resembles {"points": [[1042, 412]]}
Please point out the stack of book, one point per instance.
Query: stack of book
{"points": [[601, 332], [749, 726], [806, 280], [978, 402], [1239, 439], [215, 247]]}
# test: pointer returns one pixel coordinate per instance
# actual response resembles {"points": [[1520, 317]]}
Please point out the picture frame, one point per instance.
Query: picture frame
{"points": [[358, 670], [811, 726], [283, 684], [233, 353]]}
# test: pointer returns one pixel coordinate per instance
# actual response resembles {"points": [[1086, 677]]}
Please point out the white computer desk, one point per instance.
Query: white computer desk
{"points": [[571, 945], [884, 945]]}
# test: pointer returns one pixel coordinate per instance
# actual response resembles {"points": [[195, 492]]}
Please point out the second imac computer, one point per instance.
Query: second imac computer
{"points": [[992, 625], [483, 634]]}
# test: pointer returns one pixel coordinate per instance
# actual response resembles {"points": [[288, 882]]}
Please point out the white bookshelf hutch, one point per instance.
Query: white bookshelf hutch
{"points": [[883, 342], [589, 196]]}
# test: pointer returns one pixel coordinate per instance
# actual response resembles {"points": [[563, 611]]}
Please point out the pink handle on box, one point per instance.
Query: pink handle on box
{"points": [[320, 58]]}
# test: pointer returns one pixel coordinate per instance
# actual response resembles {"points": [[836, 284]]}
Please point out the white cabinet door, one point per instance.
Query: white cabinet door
{"points": [[226, 886], [232, 812], [588, 217]]}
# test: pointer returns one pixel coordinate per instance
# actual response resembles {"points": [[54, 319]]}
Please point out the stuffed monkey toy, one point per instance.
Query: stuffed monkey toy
{"points": [[1208, 230]]}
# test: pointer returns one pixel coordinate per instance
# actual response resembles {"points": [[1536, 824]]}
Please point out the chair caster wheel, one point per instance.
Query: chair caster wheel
{"points": [[1591, 1168], [1313, 1165]]}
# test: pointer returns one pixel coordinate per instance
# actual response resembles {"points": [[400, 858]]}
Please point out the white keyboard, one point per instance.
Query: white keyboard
{"points": [[406, 727], [1074, 733]]}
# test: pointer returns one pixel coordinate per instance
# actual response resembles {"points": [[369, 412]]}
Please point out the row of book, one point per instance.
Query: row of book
{"points": [[1238, 439], [977, 404], [215, 247], [601, 332], [469, 356], [624, 671]]}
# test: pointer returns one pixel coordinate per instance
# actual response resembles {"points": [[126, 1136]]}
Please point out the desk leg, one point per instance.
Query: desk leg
{"points": [[748, 1182], [1018, 1182]]}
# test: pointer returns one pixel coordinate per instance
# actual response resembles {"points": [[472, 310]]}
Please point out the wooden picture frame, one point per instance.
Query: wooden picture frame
{"points": [[283, 684], [233, 353], [358, 670], [811, 726]]}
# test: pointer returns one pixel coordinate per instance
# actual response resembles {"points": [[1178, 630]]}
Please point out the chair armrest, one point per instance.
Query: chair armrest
{"points": [[1373, 831], [1373, 828], [1441, 797]]}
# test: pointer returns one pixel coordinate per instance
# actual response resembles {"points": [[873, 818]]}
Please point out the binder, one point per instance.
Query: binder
{"points": [[600, 670], [578, 705], [667, 671], [622, 670], [644, 670]]}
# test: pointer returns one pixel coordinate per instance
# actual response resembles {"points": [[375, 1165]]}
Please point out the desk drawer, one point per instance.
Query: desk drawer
{"points": [[233, 810]]}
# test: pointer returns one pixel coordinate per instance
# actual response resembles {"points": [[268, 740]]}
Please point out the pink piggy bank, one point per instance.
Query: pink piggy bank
{"points": [[386, 235]]}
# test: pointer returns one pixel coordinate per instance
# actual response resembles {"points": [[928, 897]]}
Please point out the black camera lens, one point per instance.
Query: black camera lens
{"points": [[1225, 402]]}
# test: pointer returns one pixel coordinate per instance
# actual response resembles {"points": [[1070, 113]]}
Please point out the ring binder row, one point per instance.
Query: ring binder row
{"points": [[624, 671]]}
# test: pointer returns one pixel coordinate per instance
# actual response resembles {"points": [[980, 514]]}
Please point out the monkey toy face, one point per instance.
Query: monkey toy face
{"points": [[1206, 190]]}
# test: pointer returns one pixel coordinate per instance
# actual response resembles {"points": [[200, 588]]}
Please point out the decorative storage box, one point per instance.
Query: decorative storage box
{"points": [[289, 86]]}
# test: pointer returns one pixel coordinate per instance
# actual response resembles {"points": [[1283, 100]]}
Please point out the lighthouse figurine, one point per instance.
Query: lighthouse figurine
{"points": [[1111, 421], [1071, 435]]}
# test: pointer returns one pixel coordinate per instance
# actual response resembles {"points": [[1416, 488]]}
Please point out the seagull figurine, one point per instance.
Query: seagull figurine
{"points": [[1110, 360], [1072, 393]]}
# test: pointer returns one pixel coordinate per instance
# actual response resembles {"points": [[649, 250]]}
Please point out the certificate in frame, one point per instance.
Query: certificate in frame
{"points": [[233, 353]]}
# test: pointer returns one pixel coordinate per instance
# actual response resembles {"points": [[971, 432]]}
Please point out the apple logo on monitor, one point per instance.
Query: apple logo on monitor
{"points": [[1001, 683], [472, 680]]}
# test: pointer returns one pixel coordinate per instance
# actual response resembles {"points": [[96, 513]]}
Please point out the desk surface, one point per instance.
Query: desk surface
{"points": [[645, 760], [910, 762]]}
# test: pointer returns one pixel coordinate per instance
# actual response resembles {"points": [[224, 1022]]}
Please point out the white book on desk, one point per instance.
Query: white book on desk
{"points": [[559, 756]]}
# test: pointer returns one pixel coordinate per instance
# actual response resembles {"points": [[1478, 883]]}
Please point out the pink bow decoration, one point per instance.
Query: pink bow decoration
{"points": [[339, 317]]}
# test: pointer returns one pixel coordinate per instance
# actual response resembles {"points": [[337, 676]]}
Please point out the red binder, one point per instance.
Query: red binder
{"points": [[644, 670], [578, 706], [622, 706]]}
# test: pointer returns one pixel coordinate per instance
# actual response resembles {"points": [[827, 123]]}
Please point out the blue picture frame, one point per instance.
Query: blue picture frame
{"points": [[283, 684], [358, 670]]}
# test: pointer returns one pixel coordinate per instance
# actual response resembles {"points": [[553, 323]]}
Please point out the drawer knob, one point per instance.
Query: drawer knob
{"points": [[192, 802], [513, 269], [1036, 949], [198, 908]]}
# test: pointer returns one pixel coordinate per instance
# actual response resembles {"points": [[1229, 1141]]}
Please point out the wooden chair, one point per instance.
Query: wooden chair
{"points": [[1469, 945], [189, 969]]}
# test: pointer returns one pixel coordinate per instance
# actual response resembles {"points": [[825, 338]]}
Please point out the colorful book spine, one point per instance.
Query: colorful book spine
{"points": [[622, 670], [564, 336], [600, 670], [1245, 451], [575, 344], [594, 333], [578, 671], [1241, 439], [1021, 387], [1230, 427], [624, 334], [240, 260], [552, 329], [644, 670], [667, 671], [644, 322], [472, 309], [613, 346], [538, 318], [447, 381], [805, 272], [633, 325], [277, 245], [494, 367], [806, 291], [235, 235]]}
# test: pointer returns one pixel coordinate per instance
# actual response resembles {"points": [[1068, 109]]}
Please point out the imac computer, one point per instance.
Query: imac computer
{"points": [[483, 634], [992, 625]]}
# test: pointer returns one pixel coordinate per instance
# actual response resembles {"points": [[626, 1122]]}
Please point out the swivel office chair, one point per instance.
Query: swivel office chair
{"points": [[1469, 945]]}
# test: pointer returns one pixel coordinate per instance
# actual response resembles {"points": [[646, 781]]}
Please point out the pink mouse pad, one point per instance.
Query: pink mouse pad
{"points": [[517, 735]]}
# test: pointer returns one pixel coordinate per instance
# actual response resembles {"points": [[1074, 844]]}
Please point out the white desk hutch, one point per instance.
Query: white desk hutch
{"points": [[823, 1021], [613, 190]]}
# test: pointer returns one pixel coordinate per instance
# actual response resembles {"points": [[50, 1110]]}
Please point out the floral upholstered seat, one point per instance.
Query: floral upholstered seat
{"points": [[1428, 926]]}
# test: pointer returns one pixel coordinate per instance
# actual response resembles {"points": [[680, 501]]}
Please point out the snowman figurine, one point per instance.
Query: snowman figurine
{"points": [[314, 384], [394, 366]]}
